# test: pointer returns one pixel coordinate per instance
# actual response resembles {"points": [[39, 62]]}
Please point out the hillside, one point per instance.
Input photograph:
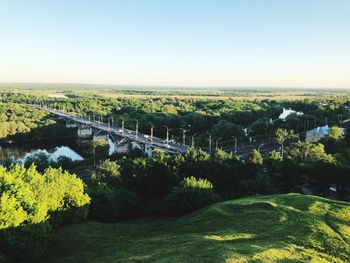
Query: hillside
{"points": [[276, 228]]}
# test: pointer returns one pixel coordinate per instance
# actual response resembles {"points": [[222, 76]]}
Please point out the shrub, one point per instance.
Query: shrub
{"points": [[30, 202], [190, 195], [109, 172], [110, 204], [40, 159]]}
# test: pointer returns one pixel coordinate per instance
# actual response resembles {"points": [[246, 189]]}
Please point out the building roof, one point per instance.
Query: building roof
{"points": [[324, 130]]}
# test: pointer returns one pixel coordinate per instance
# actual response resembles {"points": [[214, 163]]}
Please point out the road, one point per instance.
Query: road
{"points": [[155, 141], [126, 133]]}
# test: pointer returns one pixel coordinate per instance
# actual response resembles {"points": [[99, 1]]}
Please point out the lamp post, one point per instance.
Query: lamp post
{"points": [[136, 128], [167, 134], [217, 143], [183, 136], [122, 124], [209, 141], [152, 127], [192, 140], [261, 145], [235, 144]]}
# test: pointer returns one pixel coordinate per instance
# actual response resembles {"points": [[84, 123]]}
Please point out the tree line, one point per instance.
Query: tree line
{"points": [[221, 117]]}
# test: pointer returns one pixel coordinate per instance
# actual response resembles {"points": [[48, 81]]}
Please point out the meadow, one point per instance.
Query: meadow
{"points": [[276, 228]]}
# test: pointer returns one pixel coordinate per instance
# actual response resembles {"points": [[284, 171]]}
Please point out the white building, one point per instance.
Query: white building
{"points": [[315, 135]]}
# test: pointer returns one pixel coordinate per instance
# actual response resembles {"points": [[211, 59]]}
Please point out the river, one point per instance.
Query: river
{"points": [[71, 148]]}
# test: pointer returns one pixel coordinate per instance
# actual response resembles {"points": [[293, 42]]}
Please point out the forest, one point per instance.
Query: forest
{"points": [[40, 195]]}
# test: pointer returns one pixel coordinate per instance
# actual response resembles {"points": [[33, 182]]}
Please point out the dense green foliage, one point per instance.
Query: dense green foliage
{"points": [[42, 161], [110, 202], [277, 228], [20, 122], [190, 195], [31, 204], [224, 117], [180, 178]]}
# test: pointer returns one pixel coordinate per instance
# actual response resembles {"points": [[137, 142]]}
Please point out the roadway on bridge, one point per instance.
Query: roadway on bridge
{"points": [[155, 141], [130, 134]]}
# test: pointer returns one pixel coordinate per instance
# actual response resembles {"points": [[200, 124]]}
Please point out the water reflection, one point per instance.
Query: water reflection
{"points": [[53, 150], [57, 152], [112, 147], [287, 112], [76, 150]]}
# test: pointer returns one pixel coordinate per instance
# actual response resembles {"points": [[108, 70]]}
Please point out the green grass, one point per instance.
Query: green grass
{"points": [[276, 228]]}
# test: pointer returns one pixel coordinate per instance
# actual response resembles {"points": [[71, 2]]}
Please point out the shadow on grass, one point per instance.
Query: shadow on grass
{"points": [[27, 242]]}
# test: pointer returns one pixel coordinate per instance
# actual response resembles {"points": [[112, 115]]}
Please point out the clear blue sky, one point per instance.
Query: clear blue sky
{"points": [[303, 43]]}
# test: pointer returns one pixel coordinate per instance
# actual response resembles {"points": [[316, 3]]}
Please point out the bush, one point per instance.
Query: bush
{"points": [[191, 195], [29, 204], [40, 159], [109, 172], [260, 184], [110, 204]]}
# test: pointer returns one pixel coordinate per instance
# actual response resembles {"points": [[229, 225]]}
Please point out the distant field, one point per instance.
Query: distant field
{"points": [[62, 90], [277, 228]]}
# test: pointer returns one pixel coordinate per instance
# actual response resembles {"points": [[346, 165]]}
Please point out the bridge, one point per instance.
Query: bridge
{"points": [[119, 135]]}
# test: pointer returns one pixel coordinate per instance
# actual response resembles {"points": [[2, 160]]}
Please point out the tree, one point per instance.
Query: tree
{"points": [[111, 204], [255, 158], [64, 162], [227, 130], [308, 152], [333, 142], [322, 175], [273, 162], [335, 133], [31, 204], [282, 135], [109, 171], [191, 194], [260, 183], [40, 159]]}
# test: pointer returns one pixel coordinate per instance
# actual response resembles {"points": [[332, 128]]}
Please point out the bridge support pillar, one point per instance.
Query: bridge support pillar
{"points": [[84, 132], [148, 150]]}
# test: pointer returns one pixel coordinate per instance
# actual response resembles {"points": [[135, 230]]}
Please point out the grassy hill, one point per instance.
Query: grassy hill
{"points": [[276, 228]]}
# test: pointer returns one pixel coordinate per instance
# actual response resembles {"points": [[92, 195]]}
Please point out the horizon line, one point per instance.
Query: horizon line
{"points": [[173, 86]]}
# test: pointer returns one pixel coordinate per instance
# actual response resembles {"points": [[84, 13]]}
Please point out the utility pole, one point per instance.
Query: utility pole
{"points": [[209, 141], [183, 136], [235, 144], [123, 124], [167, 134], [152, 126], [193, 140], [137, 128]]}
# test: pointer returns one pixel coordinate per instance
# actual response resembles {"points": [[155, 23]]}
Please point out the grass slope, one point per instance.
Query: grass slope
{"points": [[276, 228]]}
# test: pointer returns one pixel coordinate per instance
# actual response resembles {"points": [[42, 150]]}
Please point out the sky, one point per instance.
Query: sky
{"points": [[220, 43]]}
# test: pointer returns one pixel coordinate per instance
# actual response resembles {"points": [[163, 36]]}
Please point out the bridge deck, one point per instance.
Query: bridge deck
{"points": [[139, 137]]}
